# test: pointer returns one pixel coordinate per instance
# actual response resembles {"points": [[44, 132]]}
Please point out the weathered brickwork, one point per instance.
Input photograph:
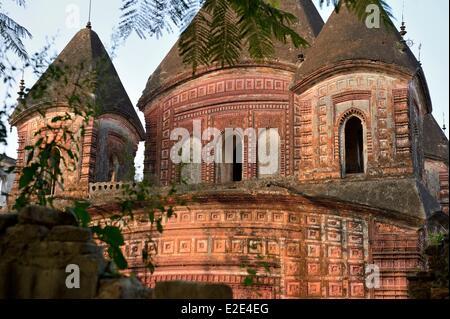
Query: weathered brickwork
{"points": [[252, 97], [377, 101], [363, 165], [398, 252], [314, 251]]}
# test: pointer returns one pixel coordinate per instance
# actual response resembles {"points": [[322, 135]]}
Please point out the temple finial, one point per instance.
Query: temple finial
{"points": [[403, 31], [420, 53], [444, 128], [21, 92], [89, 24]]}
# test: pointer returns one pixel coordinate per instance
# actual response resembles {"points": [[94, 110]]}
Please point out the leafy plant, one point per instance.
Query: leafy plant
{"points": [[12, 34], [223, 30], [57, 146], [257, 269], [435, 239], [151, 206]]}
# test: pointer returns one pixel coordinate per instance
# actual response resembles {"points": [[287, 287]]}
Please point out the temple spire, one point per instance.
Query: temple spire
{"points": [[403, 31], [89, 24], [444, 128], [21, 92]]}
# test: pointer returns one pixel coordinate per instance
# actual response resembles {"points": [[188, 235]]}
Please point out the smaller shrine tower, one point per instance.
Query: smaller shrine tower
{"points": [[84, 75]]}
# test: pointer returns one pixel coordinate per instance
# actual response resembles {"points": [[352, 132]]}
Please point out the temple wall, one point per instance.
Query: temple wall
{"points": [[238, 98], [314, 250], [380, 101]]}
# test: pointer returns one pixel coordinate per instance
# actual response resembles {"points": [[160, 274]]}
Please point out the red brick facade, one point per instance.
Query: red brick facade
{"points": [[319, 225]]}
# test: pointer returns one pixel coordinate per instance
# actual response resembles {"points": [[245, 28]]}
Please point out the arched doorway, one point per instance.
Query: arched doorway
{"points": [[191, 171], [354, 146], [230, 168], [114, 166]]}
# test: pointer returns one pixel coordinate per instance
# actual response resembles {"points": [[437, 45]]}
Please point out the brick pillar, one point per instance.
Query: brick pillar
{"points": [[88, 157], [443, 195]]}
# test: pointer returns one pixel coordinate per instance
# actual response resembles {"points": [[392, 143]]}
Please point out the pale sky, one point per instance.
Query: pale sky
{"points": [[427, 24]]}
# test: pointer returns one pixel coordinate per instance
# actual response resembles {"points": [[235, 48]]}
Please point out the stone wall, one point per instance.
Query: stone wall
{"points": [[38, 244]]}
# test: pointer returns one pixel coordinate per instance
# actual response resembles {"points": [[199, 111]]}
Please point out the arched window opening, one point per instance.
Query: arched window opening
{"points": [[268, 153], [191, 172], [114, 166], [237, 160], [230, 168], [354, 146]]}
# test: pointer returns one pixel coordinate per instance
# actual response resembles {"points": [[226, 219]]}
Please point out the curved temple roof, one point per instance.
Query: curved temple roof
{"points": [[345, 37], [308, 26], [86, 68]]}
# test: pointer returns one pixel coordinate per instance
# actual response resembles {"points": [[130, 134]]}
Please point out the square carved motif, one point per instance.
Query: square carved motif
{"points": [[249, 84], [220, 87], [334, 252], [314, 251], [333, 236], [134, 250], [355, 239], [292, 268], [312, 220], [246, 216], [230, 216], [293, 289], [293, 249], [314, 289], [202, 246], [356, 270], [294, 219], [220, 245], [278, 217], [185, 218], [237, 246], [215, 216], [168, 247], [313, 234], [201, 217], [185, 246], [356, 253], [354, 226], [259, 84], [255, 247], [334, 223], [313, 269], [230, 85], [357, 290], [335, 269], [273, 248], [335, 289], [153, 247], [261, 216]]}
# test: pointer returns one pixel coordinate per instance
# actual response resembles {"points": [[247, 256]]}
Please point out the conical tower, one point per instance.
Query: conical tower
{"points": [[172, 70], [346, 37], [84, 73], [248, 94], [365, 75]]}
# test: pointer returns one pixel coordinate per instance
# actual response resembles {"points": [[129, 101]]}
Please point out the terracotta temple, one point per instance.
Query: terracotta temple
{"points": [[363, 164]]}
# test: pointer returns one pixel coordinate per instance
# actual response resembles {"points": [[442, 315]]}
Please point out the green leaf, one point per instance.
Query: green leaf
{"points": [[81, 213], [248, 281], [117, 256], [251, 271], [28, 174]]}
